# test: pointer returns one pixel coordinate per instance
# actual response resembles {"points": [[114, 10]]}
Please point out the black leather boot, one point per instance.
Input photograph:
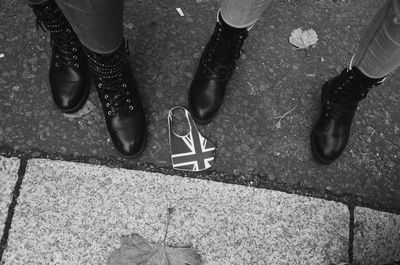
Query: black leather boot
{"points": [[68, 72], [340, 97], [216, 65], [112, 76]]}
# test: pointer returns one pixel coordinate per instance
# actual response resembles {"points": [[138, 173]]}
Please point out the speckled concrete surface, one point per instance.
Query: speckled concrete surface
{"points": [[376, 237], [71, 213], [271, 78], [8, 178]]}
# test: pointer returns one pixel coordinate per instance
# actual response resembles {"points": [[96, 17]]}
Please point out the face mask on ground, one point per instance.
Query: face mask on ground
{"points": [[190, 152]]}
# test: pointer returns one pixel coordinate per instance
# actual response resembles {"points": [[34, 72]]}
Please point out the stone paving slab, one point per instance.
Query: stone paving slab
{"points": [[376, 237], [70, 213], [8, 178]]}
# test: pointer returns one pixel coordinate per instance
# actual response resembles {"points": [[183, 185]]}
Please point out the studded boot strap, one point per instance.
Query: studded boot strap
{"points": [[109, 66]]}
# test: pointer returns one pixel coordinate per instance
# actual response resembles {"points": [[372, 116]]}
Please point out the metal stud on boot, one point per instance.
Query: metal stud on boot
{"points": [[340, 97], [215, 68], [112, 76], [68, 72]]}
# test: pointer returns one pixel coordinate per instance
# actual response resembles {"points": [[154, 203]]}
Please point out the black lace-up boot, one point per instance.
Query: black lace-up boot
{"points": [[340, 97], [112, 76], [215, 68], [68, 72]]}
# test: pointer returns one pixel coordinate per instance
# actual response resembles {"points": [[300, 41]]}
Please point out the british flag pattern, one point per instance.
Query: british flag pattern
{"points": [[190, 152]]}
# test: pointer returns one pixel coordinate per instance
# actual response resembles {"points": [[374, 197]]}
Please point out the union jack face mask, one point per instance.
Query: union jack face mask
{"points": [[190, 152]]}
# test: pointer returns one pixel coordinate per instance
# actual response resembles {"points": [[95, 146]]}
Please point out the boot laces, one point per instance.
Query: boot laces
{"points": [[343, 102], [116, 95], [220, 59], [63, 39], [112, 85]]}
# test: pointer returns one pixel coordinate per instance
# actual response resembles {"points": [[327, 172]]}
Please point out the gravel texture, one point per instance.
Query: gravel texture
{"points": [[376, 237], [70, 213], [8, 178]]}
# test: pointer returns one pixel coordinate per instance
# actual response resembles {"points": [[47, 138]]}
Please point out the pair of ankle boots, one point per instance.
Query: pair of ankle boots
{"points": [[74, 70], [340, 95]]}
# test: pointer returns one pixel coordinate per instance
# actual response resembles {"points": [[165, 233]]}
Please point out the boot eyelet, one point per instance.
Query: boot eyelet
{"points": [[106, 97], [124, 85], [109, 112], [68, 30], [131, 107], [76, 65], [74, 49], [128, 100], [75, 57], [100, 85], [108, 105], [57, 65]]}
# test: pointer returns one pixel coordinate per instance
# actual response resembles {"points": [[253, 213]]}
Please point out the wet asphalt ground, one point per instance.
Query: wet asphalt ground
{"points": [[272, 79]]}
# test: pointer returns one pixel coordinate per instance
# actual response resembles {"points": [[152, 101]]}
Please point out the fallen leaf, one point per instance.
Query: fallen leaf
{"points": [[136, 250], [303, 39]]}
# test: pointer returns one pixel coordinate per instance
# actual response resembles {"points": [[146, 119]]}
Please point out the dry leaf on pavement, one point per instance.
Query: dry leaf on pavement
{"points": [[135, 250], [303, 39]]}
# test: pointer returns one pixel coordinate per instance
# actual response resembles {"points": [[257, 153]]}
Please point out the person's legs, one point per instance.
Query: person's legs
{"points": [[68, 73], [379, 50], [98, 23], [377, 56], [218, 59], [242, 14]]}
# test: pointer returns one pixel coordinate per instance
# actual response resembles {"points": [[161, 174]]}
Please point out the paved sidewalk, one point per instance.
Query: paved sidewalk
{"points": [[74, 213]]}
